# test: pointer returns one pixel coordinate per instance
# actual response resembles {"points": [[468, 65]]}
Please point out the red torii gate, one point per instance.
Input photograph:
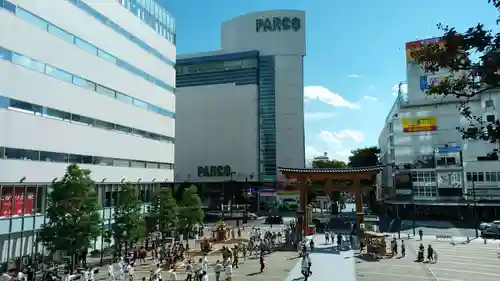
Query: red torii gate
{"points": [[335, 180]]}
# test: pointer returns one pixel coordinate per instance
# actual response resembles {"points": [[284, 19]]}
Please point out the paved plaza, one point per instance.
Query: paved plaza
{"points": [[460, 262]]}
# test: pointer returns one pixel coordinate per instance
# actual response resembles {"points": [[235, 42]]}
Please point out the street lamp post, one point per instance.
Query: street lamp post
{"points": [[245, 220]]}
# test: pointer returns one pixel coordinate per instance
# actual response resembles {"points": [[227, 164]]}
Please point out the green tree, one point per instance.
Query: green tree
{"points": [[74, 220], [164, 211], [329, 164], [191, 210], [365, 157], [129, 226], [472, 58]]}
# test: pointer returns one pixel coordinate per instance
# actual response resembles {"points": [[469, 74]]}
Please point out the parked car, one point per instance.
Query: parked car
{"points": [[252, 216], [274, 220], [484, 225]]}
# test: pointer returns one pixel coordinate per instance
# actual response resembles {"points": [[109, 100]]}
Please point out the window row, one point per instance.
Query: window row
{"points": [[73, 39], [213, 66], [40, 110], [152, 14], [106, 21], [483, 176], [48, 156], [425, 191], [60, 74], [22, 200], [448, 161], [428, 176]]}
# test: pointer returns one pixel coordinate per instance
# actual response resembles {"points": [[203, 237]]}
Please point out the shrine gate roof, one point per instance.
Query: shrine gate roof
{"points": [[332, 170]]}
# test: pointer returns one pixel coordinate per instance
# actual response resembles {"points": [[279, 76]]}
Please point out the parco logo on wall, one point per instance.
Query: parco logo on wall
{"points": [[277, 24], [214, 171]]}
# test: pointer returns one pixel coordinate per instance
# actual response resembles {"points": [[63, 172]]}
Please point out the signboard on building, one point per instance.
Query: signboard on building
{"points": [[415, 45], [277, 24], [13, 202], [214, 171], [429, 80], [419, 124]]}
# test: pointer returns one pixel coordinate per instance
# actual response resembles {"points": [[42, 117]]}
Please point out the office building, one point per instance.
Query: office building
{"points": [[240, 109], [86, 82], [427, 161]]}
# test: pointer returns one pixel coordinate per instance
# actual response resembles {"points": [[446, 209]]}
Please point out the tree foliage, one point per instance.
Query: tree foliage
{"points": [[365, 157], [329, 164], [129, 225], [74, 220], [191, 209], [164, 211], [472, 58]]}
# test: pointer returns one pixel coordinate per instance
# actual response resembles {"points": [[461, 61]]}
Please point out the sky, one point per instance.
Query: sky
{"points": [[355, 55]]}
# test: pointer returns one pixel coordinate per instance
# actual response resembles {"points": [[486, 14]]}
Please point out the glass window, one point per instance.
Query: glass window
{"points": [[137, 164], [123, 97], [469, 176], [106, 56], [480, 176], [54, 113], [105, 91], [28, 63], [140, 103], [82, 120], [5, 54], [86, 46], [122, 129], [103, 161], [104, 125], [23, 154], [61, 33], [87, 159], [25, 106], [121, 163], [4, 102], [54, 156], [76, 159], [29, 17], [59, 74], [487, 176], [84, 83], [494, 176]]}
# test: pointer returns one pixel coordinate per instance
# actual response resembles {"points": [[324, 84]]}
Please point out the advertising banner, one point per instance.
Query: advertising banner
{"points": [[419, 124], [429, 80], [12, 202], [415, 45]]}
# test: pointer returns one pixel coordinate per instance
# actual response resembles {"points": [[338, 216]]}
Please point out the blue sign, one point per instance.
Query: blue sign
{"points": [[447, 149], [423, 82]]}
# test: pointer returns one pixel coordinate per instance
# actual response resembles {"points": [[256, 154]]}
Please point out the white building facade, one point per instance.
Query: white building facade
{"points": [[427, 159], [85, 82], [240, 108]]}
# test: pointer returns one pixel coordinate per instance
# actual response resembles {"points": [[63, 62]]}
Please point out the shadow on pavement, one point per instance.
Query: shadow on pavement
{"points": [[367, 258]]}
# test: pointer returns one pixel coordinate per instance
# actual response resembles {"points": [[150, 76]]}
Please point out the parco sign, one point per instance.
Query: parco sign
{"points": [[277, 24], [214, 171]]}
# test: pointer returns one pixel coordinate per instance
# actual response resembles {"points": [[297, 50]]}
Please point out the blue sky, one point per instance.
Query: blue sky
{"points": [[355, 55]]}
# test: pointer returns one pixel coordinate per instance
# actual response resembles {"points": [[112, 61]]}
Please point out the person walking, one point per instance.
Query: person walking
{"points": [[218, 268], [403, 249]]}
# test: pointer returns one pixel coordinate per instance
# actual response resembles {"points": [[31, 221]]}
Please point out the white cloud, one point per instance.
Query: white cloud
{"points": [[338, 137], [319, 115], [370, 98], [338, 145], [353, 76], [324, 95], [404, 89]]}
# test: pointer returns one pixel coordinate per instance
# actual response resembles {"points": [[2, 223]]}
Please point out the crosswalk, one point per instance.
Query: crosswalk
{"points": [[456, 262]]}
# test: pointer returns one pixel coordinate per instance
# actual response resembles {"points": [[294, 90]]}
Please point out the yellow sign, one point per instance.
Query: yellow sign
{"points": [[419, 124], [415, 45]]}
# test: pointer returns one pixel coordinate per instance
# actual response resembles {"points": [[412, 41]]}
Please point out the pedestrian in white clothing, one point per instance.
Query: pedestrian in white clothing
{"points": [[111, 272], [91, 274], [229, 272]]}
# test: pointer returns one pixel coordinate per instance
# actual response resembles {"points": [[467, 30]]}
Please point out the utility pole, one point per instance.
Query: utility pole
{"points": [[475, 205]]}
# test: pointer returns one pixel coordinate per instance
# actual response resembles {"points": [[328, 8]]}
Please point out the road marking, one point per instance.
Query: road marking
{"points": [[394, 274], [467, 271], [469, 264]]}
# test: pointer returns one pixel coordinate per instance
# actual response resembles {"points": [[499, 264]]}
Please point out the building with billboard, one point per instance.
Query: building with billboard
{"points": [[86, 82], [420, 142], [240, 109]]}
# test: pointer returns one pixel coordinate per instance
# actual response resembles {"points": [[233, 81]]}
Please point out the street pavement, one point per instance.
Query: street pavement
{"points": [[437, 228], [456, 262], [327, 263]]}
